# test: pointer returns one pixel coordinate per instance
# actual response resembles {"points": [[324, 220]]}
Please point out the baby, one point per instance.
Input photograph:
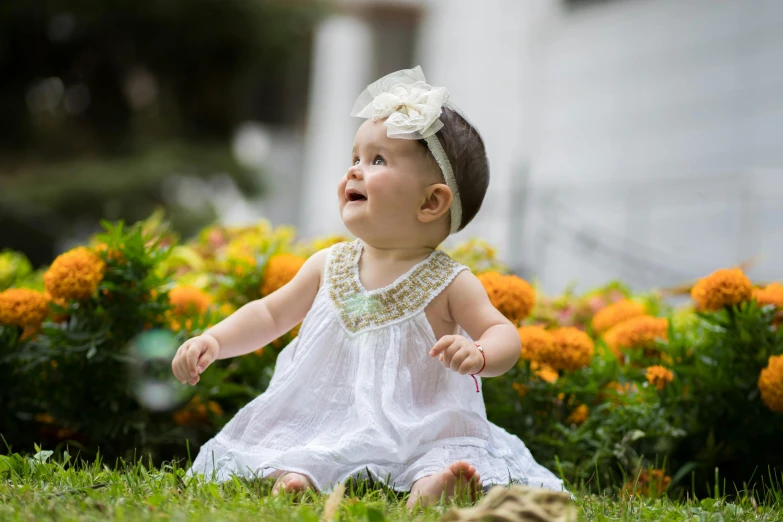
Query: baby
{"points": [[381, 379]]}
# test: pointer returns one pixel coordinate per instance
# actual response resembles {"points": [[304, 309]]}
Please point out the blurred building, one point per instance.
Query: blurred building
{"points": [[631, 139]]}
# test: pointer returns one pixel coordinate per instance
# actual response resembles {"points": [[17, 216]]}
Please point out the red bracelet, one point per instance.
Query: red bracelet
{"points": [[482, 366]]}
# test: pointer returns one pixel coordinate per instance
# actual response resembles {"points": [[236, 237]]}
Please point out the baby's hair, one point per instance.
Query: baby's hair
{"points": [[465, 149]]}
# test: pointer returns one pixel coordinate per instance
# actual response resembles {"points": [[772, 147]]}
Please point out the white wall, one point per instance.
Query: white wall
{"points": [[661, 133]]}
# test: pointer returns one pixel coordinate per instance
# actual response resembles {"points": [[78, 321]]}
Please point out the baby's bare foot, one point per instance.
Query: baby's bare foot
{"points": [[457, 478], [291, 482]]}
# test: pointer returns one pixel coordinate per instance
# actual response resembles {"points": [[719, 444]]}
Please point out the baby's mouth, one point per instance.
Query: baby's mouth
{"points": [[354, 195]]}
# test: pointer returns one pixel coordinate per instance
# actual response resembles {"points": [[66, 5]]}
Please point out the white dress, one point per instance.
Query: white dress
{"points": [[357, 393]]}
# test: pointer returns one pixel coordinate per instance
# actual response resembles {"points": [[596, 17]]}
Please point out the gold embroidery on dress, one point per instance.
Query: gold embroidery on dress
{"points": [[360, 309]]}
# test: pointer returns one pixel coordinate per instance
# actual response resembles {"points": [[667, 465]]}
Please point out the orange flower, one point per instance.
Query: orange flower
{"points": [[24, 308], [110, 254], [659, 376], [725, 287], [520, 388], [770, 384], [280, 269], [617, 393], [579, 415], [648, 484], [189, 300], [511, 295], [75, 274], [616, 313], [639, 332], [196, 412], [535, 342], [772, 294], [544, 372], [572, 349]]}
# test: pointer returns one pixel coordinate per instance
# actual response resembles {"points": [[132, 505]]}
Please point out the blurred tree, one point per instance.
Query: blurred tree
{"points": [[101, 101]]}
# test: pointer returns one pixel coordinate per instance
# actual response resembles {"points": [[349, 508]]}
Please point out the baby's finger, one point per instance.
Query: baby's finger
{"points": [[467, 365], [449, 353], [177, 362], [194, 352], [207, 358], [443, 343], [458, 360]]}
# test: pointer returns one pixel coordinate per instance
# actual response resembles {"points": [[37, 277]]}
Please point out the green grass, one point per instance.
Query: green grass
{"points": [[40, 488]]}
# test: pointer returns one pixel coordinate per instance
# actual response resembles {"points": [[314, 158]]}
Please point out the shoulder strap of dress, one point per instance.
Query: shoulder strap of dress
{"points": [[428, 281], [339, 262]]}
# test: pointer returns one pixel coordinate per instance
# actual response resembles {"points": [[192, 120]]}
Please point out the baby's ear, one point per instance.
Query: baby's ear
{"points": [[437, 200]]}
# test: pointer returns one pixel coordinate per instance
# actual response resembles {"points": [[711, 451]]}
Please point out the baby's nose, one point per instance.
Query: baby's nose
{"points": [[355, 172]]}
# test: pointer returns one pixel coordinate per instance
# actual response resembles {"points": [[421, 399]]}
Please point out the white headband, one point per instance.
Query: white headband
{"points": [[411, 108]]}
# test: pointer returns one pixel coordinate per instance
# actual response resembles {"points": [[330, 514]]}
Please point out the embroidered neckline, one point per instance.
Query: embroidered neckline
{"points": [[361, 309]]}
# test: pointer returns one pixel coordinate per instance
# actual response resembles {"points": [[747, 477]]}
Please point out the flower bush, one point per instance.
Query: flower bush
{"points": [[608, 385]]}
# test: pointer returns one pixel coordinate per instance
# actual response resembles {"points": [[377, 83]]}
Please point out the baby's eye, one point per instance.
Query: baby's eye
{"points": [[377, 159], [355, 161]]}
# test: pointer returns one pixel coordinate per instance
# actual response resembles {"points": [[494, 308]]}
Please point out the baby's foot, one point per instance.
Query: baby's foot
{"points": [[291, 482], [457, 477]]}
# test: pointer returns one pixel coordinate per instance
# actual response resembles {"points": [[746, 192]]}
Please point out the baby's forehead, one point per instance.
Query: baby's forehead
{"points": [[373, 134]]}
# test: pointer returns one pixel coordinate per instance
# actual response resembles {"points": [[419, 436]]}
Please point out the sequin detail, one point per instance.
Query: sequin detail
{"points": [[360, 309]]}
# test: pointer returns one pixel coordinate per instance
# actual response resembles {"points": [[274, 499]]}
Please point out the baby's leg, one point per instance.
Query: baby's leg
{"points": [[457, 477]]}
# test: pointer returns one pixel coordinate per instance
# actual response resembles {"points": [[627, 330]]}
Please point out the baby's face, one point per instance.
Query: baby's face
{"points": [[385, 185]]}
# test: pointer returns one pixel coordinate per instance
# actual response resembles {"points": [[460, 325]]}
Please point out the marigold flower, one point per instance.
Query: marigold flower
{"points": [[572, 349], [536, 341], [659, 376], [617, 393], [648, 484], [725, 287], [616, 313], [772, 294], [24, 308], [511, 295], [75, 274], [196, 412], [770, 384], [520, 388], [638, 332], [280, 269], [189, 300], [579, 415], [544, 372]]}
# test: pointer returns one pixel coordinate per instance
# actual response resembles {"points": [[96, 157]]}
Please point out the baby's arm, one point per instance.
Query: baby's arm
{"points": [[254, 325], [471, 308]]}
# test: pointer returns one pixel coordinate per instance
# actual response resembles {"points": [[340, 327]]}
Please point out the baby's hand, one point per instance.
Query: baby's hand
{"points": [[458, 353], [193, 357]]}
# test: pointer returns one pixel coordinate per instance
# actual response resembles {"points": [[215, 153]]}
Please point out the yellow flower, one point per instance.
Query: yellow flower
{"points": [[579, 415], [572, 349], [544, 372], [75, 274], [24, 308], [616, 313], [639, 332], [772, 294], [725, 287], [280, 269], [520, 388], [648, 484], [189, 300], [659, 376], [535, 342], [511, 295], [771, 384]]}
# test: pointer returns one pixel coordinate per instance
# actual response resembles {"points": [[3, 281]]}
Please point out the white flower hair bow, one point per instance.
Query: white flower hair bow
{"points": [[412, 109]]}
